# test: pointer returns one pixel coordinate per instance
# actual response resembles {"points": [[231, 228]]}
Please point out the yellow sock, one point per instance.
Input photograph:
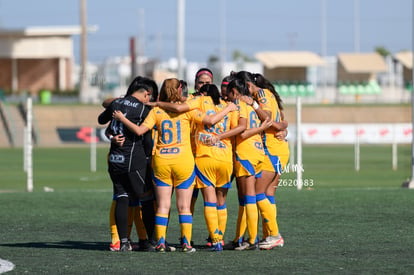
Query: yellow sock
{"points": [[139, 224], [186, 225], [161, 223], [251, 217], [222, 219], [112, 224], [211, 218], [241, 222], [266, 210], [273, 203]]}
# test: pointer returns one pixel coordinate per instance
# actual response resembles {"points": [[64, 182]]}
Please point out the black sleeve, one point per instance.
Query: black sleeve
{"points": [[148, 143], [105, 116]]}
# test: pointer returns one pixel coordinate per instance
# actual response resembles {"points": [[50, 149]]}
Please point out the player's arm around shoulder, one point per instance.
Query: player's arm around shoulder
{"points": [[138, 130]]}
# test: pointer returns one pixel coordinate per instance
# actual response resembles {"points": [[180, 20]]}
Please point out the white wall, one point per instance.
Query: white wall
{"points": [[316, 133], [36, 47]]}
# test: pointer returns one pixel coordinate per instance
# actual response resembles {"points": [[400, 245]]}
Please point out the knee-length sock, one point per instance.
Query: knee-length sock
{"points": [[121, 218], [222, 219], [211, 218], [241, 222], [273, 203], [161, 223], [112, 223], [186, 225], [139, 224], [266, 210], [132, 207], [251, 217]]}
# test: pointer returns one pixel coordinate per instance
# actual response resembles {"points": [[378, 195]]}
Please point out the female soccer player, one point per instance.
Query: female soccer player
{"points": [[282, 146], [203, 76], [127, 163], [173, 149], [223, 87], [249, 156], [265, 104], [214, 164], [192, 103], [140, 211]]}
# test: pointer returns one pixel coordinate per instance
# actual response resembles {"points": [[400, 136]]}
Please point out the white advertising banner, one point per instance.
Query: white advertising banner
{"points": [[316, 133]]}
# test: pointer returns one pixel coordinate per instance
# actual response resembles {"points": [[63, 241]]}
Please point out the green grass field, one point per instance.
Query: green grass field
{"points": [[348, 222]]}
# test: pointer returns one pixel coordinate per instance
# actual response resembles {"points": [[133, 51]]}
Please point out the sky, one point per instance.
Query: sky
{"points": [[221, 27]]}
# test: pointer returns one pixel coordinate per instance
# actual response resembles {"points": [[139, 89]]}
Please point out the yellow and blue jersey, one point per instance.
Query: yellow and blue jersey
{"points": [[276, 150], [173, 162], [249, 153], [214, 163], [173, 130], [194, 102], [222, 150], [268, 102]]}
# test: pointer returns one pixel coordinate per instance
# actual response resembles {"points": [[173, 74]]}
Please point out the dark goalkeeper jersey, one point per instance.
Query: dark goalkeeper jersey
{"points": [[132, 154]]}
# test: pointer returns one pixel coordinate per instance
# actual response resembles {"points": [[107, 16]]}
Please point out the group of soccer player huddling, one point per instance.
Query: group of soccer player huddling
{"points": [[166, 141]]}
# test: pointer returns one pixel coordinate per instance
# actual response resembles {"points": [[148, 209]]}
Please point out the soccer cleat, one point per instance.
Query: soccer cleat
{"points": [[217, 247], [209, 242], [115, 247], [271, 242], [125, 247], [247, 246], [160, 248], [169, 248], [135, 247], [132, 246], [145, 245], [188, 249], [232, 245]]}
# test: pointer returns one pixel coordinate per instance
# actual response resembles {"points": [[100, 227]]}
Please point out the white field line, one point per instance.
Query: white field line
{"points": [[5, 266]]}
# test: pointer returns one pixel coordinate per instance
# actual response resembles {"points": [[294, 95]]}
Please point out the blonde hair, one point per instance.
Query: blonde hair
{"points": [[169, 90]]}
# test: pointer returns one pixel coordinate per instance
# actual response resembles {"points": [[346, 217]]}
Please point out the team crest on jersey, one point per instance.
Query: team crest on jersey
{"points": [[258, 145]]}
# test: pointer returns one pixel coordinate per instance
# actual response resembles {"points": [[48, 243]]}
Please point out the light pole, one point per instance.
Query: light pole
{"points": [[180, 37], [83, 78]]}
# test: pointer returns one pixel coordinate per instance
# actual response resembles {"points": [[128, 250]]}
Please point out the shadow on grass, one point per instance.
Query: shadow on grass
{"points": [[63, 244], [97, 246]]}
